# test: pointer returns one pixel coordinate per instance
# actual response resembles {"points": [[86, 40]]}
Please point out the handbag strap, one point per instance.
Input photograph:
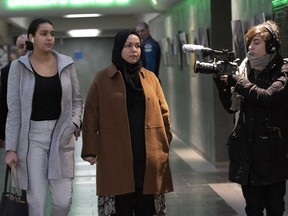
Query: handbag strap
{"points": [[6, 178], [13, 176], [15, 180]]}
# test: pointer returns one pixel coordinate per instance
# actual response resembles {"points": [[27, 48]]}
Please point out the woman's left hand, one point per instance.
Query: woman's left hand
{"points": [[77, 133]]}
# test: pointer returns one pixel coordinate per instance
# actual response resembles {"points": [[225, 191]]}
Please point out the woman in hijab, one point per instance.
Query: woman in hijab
{"points": [[258, 145], [126, 133]]}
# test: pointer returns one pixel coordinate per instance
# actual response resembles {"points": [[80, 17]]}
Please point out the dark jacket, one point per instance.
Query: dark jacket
{"points": [[152, 54], [258, 145], [3, 100]]}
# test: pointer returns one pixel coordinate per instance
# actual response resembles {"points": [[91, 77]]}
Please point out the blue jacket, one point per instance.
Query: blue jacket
{"points": [[152, 55]]}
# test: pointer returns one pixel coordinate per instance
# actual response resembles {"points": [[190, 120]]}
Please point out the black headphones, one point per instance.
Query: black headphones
{"points": [[271, 44]]}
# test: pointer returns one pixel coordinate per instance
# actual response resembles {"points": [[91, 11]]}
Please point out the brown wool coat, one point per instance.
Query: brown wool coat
{"points": [[106, 134]]}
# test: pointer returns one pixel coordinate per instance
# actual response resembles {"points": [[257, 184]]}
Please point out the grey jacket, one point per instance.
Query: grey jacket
{"points": [[21, 82]]}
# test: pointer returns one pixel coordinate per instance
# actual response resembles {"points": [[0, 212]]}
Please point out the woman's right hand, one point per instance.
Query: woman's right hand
{"points": [[11, 158], [91, 160]]}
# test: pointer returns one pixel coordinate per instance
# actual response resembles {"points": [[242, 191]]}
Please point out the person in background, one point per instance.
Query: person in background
{"points": [[45, 108], [13, 56], [126, 133], [258, 145], [21, 50], [151, 48]]}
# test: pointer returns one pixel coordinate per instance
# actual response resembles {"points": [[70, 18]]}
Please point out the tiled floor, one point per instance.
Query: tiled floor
{"points": [[200, 188]]}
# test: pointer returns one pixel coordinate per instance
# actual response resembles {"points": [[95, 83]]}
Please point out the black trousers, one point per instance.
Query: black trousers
{"points": [[134, 204], [269, 197]]}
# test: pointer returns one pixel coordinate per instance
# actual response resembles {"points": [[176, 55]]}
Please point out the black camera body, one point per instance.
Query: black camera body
{"points": [[223, 63], [220, 67]]}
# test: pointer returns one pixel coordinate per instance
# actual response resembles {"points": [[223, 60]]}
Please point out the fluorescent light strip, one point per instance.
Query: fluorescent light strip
{"points": [[81, 15], [62, 3], [84, 32]]}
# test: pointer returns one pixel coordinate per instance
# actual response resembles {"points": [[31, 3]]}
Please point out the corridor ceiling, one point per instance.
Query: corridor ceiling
{"points": [[115, 14]]}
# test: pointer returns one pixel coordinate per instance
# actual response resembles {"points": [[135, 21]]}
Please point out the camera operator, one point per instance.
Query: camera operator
{"points": [[258, 145]]}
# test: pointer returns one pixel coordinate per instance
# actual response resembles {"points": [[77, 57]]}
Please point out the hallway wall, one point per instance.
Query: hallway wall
{"points": [[196, 113], [90, 55], [244, 10]]}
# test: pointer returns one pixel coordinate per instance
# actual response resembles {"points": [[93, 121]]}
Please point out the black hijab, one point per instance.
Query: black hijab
{"points": [[130, 72], [119, 42]]}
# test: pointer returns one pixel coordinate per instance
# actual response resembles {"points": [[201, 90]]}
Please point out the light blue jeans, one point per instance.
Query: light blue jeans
{"points": [[37, 163]]}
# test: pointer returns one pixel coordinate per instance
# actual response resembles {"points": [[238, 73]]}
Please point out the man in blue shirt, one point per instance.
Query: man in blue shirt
{"points": [[151, 48]]}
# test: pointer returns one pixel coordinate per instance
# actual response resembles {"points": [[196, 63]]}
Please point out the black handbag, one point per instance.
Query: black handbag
{"points": [[13, 204]]}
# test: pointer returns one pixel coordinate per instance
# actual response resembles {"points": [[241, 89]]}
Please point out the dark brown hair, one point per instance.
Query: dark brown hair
{"points": [[269, 31], [34, 25]]}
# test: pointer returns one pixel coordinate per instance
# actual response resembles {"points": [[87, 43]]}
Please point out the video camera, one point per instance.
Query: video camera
{"points": [[218, 66]]}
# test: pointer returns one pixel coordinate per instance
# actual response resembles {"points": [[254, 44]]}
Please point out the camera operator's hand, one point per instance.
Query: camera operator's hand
{"points": [[230, 79]]}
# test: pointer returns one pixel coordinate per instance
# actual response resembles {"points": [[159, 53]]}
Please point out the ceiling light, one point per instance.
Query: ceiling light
{"points": [[81, 15], [84, 32]]}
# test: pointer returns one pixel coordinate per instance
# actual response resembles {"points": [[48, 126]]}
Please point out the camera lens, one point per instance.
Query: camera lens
{"points": [[203, 67]]}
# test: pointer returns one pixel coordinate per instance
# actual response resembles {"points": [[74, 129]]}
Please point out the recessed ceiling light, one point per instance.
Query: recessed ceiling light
{"points": [[154, 2], [82, 15], [84, 32]]}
